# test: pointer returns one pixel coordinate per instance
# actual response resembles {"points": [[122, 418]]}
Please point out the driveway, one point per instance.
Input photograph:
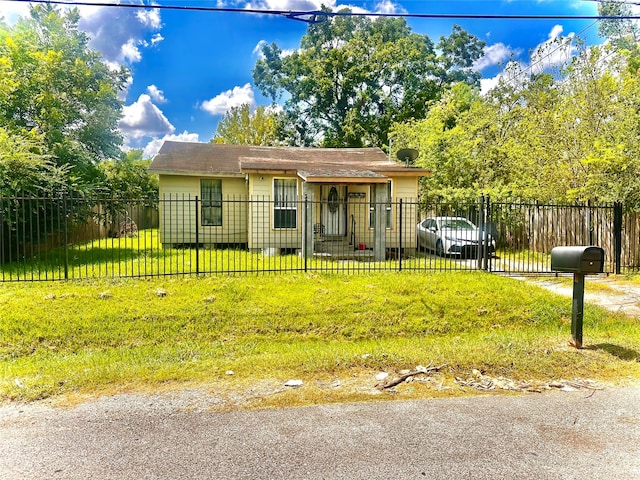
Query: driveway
{"points": [[614, 295], [559, 435]]}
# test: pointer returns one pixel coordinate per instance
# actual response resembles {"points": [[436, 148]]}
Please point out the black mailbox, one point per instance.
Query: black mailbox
{"points": [[577, 259], [580, 261]]}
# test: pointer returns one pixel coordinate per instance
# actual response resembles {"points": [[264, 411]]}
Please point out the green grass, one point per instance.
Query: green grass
{"points": [[108, 335], [143, 255]]}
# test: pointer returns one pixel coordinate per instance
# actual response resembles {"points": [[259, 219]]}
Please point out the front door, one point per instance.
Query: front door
{"points": [[334, 209]]}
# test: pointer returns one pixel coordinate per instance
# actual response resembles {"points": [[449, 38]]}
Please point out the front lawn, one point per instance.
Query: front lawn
{"points": [[228, 333]]}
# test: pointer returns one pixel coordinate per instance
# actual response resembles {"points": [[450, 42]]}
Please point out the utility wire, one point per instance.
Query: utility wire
{"points": [[562, 45], [622, 2], [316, 16]]}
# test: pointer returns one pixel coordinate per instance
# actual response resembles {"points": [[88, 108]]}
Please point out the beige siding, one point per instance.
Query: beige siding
{"points": [[178, 195], [252, 223], [405, 188], [262, 234]]}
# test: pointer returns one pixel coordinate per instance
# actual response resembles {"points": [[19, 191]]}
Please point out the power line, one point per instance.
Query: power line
{"points": [[316, 16], [541, 59], [621, 2]]}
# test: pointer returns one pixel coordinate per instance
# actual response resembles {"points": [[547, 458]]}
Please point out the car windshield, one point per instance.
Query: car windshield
{"points": [[457, 224]]}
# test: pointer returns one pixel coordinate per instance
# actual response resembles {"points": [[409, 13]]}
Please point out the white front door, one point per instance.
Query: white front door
{"points": [[334, 209]]}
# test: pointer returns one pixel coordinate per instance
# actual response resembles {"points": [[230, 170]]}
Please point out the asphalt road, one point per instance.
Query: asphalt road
{"points": [[559, 435]]}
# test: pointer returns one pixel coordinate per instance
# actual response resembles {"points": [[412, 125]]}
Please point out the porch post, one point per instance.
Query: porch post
{"points": [[307, 221], [380, 230]]}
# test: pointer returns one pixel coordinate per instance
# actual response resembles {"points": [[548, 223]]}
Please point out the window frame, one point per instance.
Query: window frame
{"points": [[389, 209], [282, 221], [211, 204]]}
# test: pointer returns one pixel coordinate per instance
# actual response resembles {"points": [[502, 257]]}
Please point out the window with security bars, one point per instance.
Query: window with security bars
{"points": [[285, 205], [211, 195], [372, 206]]}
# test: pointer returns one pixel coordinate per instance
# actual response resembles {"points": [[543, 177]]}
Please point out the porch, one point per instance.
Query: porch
{"points": [[341, 249]]}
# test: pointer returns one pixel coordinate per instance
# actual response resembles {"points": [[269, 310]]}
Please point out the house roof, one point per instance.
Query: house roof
{"points": [[311, 164]]}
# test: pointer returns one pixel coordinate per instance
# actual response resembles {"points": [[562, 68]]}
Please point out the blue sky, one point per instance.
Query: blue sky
{"points": [[189, 67]]}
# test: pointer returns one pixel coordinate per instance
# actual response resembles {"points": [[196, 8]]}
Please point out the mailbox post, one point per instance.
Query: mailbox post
{"points": [[580, 261]]}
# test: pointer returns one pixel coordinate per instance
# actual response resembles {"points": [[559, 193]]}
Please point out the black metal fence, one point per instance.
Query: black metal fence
{"points": [[71, 238]]}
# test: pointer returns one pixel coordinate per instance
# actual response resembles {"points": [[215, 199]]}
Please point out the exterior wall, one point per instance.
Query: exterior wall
{"points": [[177, 212], [251, 223], [405, 188], [262, 234]]}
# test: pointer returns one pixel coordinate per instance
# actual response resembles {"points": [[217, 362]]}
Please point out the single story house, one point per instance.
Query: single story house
{"points": [[289, 197]]}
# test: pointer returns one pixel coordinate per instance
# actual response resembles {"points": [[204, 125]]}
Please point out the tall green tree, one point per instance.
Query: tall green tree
{"points": [[461, 141], [240, 126], [623, 32], [56, 86], [352, 77], [574, 138], [25, 170], [128, 177]]}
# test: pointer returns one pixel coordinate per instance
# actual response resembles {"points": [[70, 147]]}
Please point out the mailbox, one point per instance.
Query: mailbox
{"points": [[577, 259], [580, 261]]}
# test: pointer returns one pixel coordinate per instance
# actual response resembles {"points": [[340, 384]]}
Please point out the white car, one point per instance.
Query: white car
{"points": [[451, 236]]}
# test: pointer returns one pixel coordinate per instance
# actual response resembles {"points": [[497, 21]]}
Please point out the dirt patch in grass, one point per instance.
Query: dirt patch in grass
{"points": [[360, 385]]}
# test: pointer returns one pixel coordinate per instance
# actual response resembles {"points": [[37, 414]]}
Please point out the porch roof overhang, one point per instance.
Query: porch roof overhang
{"points": [[342, 176], [331, 173]]}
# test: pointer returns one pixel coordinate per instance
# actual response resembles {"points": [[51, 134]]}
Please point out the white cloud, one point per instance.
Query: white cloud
{"points": [[388, 7], [257, 50], [294, 5], [156, 39], [154, 145], [143, 119], [131, 52], [12, 10], [156, 94], [493, 55], [149, 18], [557, 50], [119, 33], [514, 74], [381, 6], [220, 104], [488, 84], [555, 32]]}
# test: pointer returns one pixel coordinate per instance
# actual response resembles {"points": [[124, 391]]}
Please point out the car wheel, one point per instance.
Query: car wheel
{"points": [[439, 249]]}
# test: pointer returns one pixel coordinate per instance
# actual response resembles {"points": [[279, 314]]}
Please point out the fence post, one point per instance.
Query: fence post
{"points": [[479, 252], [305, 226], [617, 235], [487, 227], [400, 238], [65, 214], [197, 238]]}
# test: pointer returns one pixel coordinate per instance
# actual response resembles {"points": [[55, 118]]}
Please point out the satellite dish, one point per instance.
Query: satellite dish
{"points": [[407, 154]]}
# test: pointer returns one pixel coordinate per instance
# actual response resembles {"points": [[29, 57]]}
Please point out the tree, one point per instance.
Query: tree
{"points": [[128, 178], [461, 142], [623, 33], [574, 138], [242, 127], [353, 77], [54, 85], [25, 170]]}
